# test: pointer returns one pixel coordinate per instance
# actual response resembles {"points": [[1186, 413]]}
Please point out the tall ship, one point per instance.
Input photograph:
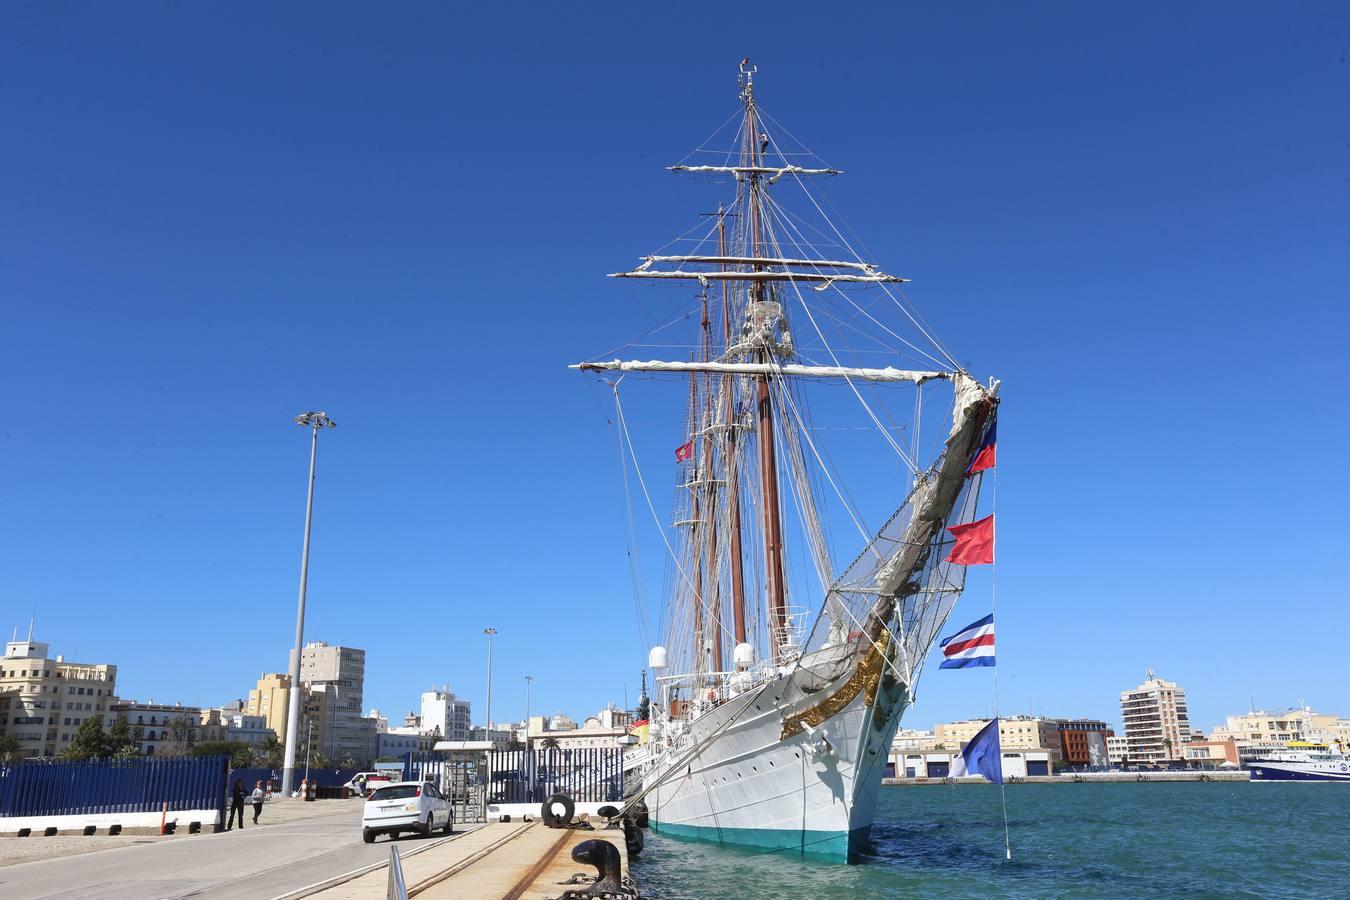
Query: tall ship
{"points": [[780, 674]]}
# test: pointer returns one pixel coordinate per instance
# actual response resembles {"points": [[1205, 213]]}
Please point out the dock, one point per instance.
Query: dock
{"points": [[508, 860]]}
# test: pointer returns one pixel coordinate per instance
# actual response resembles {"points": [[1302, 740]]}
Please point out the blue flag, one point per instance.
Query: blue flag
{"points": [[982, 756]]}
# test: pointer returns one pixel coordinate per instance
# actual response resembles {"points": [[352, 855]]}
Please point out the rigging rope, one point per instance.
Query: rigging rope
{"points": [[642, 482], [810, 196]]}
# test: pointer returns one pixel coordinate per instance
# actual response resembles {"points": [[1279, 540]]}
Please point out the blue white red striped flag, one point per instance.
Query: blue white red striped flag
{"points": [[971, 646]]}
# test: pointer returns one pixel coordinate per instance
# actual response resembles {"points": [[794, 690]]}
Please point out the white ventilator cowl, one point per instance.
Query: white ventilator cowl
{"points": [[743, 656], [657, 658]]}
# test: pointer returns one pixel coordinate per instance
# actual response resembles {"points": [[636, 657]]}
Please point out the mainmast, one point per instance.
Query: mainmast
{"points": [[729, 456], [714, 635], [696, 525], [763, 317]]}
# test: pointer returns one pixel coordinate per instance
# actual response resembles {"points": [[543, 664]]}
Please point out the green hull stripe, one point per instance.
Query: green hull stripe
{"points": [[828, 846]]}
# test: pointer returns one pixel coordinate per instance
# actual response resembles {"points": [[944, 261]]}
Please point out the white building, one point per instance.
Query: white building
{"points": [[381, 721], [1157, 725], [912, 739], [445, 714], [251, 730], [1117, 749], [161, 728], [938, 763]]}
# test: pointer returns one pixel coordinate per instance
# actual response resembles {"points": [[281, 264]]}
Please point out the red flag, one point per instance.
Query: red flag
{"points": [[974, 543], [684, 451]]}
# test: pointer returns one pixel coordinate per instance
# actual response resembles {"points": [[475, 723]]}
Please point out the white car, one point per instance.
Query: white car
{"points": [[405, 806]]}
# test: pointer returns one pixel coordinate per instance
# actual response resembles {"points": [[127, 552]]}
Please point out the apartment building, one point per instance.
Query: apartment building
{"points": [[44, 700], [1280, 727], [338, 675], [1014, 732], [1157, 724], [270, 701], [161, 728], [443, 711], [1082, 742]]}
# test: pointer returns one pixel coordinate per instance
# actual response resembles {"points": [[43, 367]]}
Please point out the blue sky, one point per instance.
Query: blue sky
{"points": [[215, 217]]}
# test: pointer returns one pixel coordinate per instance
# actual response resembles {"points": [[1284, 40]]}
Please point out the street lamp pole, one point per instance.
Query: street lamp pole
{"points": [[313, 421], [528, 679], [489, 632]]}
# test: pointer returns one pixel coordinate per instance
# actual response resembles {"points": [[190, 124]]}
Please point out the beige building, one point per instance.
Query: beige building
{"points": [[1015, 732], [607, 728], [1157, 725], [270, 701], [43, 701], [1214, 754], [1282, 727]]}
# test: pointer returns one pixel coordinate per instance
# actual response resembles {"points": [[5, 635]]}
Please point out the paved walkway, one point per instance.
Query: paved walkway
{"points": [[307, 843]]}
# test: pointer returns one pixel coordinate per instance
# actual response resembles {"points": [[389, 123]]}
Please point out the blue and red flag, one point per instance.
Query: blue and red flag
{"points": [[971, 646], [984, 456]]}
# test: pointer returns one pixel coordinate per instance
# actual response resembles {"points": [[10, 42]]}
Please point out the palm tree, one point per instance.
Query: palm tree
{"points": [[271, 752], [549, 743]]}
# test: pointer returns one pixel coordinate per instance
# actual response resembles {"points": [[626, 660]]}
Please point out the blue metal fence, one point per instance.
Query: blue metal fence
{"points": [[592, 775], [39, 788]]}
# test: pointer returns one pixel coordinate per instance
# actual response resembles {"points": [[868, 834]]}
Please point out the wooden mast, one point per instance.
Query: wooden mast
{"points": [[710, 504], [729, 459], [768, 464], [696, 540]]}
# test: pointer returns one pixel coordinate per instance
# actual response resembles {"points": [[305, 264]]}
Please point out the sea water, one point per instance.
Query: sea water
{"points": [[1197, 839]]}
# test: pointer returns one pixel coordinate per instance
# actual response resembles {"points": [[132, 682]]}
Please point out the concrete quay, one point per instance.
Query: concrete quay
{"points": [[1079, 778], [509, 860]]}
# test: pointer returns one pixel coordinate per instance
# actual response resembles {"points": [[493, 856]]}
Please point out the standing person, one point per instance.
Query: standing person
{"points": [[236, 805], [258, 797]]}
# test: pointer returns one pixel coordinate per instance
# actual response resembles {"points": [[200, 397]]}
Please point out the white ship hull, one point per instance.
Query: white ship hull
{"points": [[1320, 769], [813, 793]]}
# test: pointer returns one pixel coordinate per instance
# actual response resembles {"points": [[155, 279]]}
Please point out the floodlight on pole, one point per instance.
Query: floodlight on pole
{"points": [[313, 421]]}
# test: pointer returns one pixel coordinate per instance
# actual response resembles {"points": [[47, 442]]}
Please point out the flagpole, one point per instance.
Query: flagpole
{"points": [[993, 609]]}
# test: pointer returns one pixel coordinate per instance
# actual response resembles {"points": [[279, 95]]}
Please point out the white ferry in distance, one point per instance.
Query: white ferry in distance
{"points": [[1303, 762]]}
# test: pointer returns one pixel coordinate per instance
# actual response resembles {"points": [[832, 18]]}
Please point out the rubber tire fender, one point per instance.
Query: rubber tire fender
{"points": [[554, 820]]}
